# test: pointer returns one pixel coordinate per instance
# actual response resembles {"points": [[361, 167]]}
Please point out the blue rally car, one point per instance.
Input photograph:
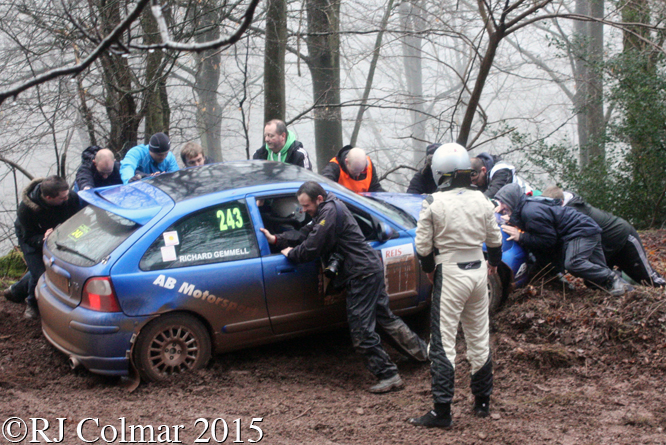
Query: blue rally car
{"points": [[159, 274]]}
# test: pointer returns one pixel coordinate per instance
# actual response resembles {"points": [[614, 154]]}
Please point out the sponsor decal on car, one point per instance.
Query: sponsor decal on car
{"points": [[203, 295]]}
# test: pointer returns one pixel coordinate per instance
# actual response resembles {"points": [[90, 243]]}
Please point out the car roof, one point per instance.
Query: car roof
{"points": [[198, 181]]}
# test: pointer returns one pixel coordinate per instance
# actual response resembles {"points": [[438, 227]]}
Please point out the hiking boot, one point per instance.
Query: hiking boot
{"points": [[387, 385], [616, 286], [31, 311], [481, 406], [432, 420], [10, 295]]}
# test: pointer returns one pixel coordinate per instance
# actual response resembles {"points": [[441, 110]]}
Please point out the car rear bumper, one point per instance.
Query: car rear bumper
{"points": [[100, 341]]}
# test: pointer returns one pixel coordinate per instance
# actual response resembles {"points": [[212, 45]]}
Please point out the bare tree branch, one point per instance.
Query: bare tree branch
{"points": [[167, 43], [76, 69], [17, 167]]}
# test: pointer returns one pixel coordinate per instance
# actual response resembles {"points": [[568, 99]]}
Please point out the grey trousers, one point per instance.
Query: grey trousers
{"points": [[584, 258]]}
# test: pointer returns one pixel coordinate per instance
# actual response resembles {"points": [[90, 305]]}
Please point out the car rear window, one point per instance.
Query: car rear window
{"points": [[89, 236], [215, 234]]}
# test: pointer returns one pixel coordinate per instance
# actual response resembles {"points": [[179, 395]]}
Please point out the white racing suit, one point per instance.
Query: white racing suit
{"points": [[452, 227]]}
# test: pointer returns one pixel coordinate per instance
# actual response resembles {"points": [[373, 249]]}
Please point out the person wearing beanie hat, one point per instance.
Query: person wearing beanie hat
{"points": [[149, 159], [423, 182]]}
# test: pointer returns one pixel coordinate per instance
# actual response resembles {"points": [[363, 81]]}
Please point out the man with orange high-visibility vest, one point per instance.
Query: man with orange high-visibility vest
{"points": [[353, 169]]}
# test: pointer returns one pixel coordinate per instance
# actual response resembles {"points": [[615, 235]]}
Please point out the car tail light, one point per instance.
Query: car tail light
{"points": [[98, 295]]}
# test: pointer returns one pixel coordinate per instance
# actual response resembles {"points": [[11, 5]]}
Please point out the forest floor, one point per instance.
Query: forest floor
{"points": [[571, 367]]}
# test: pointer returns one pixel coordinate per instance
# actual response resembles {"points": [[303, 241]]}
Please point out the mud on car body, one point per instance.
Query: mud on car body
{"points": [[161, 273]]}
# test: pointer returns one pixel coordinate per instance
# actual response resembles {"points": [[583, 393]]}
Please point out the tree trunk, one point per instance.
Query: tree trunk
{"points": [[207, 80], [412, 23], [121, 108], [324, 63], [486, 64], [581, 77], [588, 74], [596, 120], [371, 73], [156, 102], [275, 102]]}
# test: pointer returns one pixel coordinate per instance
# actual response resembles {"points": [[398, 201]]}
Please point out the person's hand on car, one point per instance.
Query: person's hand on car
{"points": [[512, 231], [269, 236]]}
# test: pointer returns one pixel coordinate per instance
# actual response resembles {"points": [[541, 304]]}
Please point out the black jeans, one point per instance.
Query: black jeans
{"points": [[36, 267], [367, 306], [21, 288], [632, 260]]}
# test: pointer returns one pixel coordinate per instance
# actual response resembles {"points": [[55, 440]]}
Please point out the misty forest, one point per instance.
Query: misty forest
{"points": [[572, 92]]}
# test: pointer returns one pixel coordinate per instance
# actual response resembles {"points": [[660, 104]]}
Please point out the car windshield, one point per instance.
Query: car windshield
{"points": [[89, 236], [395, 213]]}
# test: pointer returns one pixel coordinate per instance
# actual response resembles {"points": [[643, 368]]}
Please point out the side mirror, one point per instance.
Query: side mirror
{"points": [[385, 232]]}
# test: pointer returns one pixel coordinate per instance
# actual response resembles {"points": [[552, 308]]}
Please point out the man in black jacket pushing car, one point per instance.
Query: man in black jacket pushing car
{"points": [[334, 230], [543, 225]]}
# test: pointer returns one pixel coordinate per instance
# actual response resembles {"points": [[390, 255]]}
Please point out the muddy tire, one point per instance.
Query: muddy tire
{"points": [[169, 345], [496, 293]]}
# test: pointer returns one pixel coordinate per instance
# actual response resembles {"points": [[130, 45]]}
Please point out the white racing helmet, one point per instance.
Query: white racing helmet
{"points": [[448, 160], [288, 207]]}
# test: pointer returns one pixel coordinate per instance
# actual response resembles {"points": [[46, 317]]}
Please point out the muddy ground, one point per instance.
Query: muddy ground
{"points": [[571, 367]]}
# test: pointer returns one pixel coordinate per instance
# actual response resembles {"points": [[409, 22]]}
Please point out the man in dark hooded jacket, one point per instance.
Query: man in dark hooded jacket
{"points": [[490, 174], [423, 182], [621, 243], [98, 169], [334, 229], [45, 203], [540, 225]]}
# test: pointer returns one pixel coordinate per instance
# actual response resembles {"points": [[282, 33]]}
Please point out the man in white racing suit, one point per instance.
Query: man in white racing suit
{"points": [[453, 224]]}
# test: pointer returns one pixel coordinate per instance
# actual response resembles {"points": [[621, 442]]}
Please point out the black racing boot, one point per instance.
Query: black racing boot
{"points": [[482, 406], [440, 417]]}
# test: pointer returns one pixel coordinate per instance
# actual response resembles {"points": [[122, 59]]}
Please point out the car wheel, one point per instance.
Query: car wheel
{"points": [[171, 344], [495, 293]]}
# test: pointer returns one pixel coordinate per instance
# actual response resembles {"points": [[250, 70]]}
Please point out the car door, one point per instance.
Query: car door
{"points": [[297, 295], [206, 262], [401, 268]]}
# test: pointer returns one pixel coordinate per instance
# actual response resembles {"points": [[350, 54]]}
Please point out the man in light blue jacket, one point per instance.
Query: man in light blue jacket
{"points": [[148, 160]]}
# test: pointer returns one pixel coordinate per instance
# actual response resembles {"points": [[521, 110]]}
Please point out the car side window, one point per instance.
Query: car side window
{"points": [[281, 213], [216, 234], [365, 222]]}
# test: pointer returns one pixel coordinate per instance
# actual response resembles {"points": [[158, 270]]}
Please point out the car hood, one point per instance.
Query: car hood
{"points": [[408, 202], [138, 202]]}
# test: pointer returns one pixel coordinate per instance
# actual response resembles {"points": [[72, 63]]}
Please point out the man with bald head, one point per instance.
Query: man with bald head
{"points": [[353, 169], [99, 168]]}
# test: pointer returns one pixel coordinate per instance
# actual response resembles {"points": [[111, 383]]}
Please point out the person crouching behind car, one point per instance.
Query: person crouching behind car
{"points": [[45, 203], [192, 155], [334, 230], [621, 243], [453, 225]]}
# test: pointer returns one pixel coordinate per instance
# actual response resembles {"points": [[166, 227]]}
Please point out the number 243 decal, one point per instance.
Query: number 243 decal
{"points": [[231, 220]]}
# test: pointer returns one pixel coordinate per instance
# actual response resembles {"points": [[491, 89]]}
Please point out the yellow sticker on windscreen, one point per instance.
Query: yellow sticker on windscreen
{"points": [[79, 232]]}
